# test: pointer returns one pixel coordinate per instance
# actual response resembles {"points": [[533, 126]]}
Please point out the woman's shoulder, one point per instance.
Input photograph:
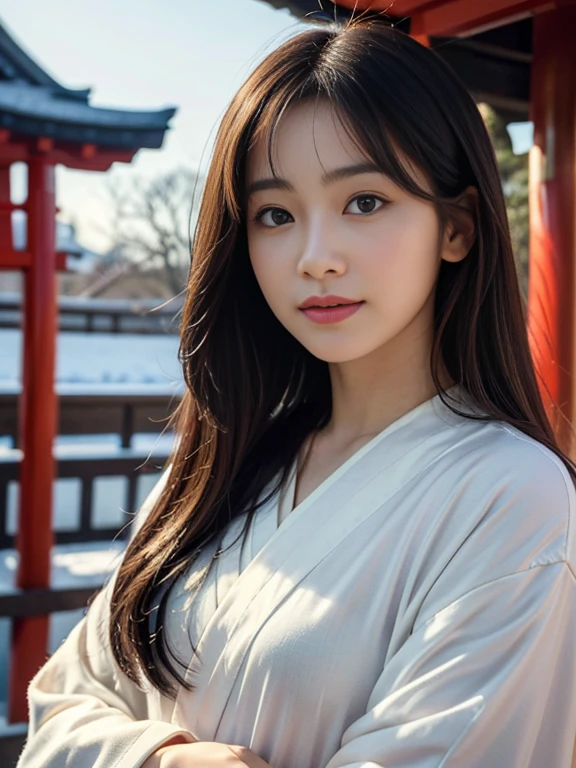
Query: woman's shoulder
{"points": [[509, 511], [521, 459], [526, 489], [503, 450]]}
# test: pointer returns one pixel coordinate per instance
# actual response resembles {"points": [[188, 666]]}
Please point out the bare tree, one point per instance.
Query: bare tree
{"points": [[151, 222]]}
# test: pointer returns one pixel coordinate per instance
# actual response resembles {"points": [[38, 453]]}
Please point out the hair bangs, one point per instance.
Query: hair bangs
{"points": [[375, 137]]}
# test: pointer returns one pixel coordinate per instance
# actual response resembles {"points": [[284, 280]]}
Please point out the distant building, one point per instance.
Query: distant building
{"points": [[39, 117], [80, 259]]}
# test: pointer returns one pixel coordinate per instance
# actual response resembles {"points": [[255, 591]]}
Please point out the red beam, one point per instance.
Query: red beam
{"points": [[44, 144], [37, 430], [101, 161], [408, 7], [88, 150], [6, 205], [15, 260], [12, 152], [365, 5], [456, 17]]}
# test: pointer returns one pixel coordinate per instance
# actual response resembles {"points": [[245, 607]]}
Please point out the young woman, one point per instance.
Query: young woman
{"points": [[362, 552]]}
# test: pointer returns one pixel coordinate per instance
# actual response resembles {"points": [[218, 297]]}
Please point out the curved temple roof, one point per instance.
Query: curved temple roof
{"points": [[33, 104]]}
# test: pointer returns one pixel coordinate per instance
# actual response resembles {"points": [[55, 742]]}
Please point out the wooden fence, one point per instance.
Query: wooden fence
{"points": [[101, 315], [81, 414]]}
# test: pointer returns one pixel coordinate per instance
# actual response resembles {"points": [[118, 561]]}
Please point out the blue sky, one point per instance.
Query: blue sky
{"points": [[143, 54], [139, 54]]}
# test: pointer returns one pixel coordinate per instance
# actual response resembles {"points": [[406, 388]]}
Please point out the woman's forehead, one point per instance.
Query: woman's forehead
{"points": [[309, 136], [306, 126]]}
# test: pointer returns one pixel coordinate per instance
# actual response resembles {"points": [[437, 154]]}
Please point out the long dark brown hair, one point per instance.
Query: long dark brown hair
{"points": [[253, 393]]}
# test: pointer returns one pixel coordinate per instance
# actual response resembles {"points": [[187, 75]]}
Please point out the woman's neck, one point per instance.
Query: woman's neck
{"points": [[368, 398]]}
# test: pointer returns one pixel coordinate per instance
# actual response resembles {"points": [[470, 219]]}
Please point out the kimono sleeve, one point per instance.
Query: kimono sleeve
{"points": [[83, 711], [487, 681]]}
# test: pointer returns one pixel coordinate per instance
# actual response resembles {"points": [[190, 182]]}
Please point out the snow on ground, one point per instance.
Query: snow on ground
{"points": [[81, 565], [85, 564], [100, 359], [109, 492], [88, 363]]}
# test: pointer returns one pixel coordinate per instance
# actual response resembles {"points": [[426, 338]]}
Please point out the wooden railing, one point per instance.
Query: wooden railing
{"points": [[127, 463], [123, 414], [102, 315], [16, 603], [85, 413]]}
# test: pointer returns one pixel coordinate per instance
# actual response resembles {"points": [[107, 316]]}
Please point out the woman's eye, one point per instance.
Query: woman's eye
{"points": [[276, 217], [272, 217], [366, 203]]}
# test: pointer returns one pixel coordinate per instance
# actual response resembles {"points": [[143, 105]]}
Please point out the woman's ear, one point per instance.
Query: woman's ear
{"points": [[460, 231]]}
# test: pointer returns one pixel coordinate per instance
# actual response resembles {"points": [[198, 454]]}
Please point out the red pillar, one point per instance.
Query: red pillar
{"points": [[6, 245], [37, 430], [551, 296]]}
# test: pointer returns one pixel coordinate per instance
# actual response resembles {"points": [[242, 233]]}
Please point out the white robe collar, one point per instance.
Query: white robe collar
{"points": [[307, 535]]}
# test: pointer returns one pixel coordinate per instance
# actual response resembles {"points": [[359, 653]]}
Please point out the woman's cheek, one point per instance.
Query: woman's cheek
{"points": [[271, 270], [272, 285]]}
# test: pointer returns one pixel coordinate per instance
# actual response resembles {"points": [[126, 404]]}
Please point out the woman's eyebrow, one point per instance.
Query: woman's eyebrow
{"points": [[329, 177]]}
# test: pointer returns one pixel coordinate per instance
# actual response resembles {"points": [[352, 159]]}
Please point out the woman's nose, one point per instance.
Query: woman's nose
{"points": [[319, 252]]}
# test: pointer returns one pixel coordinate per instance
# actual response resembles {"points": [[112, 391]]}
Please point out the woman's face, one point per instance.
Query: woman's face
{"points": [[325, 231]]}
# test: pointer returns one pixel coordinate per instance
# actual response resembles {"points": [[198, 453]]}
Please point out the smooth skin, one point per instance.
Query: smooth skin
{"points": [[362, 237], [323, 231]]}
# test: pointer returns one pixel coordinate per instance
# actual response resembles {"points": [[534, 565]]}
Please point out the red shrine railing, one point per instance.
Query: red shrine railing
{"points": [[38, 403], [37, 429], [85, 138], [126, 415], [38, 408]]}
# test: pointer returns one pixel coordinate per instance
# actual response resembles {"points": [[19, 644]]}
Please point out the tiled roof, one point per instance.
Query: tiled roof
{"points": [[32, 103]]}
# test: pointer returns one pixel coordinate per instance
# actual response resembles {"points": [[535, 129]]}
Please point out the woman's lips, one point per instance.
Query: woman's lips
{"points": [[331, 314]]}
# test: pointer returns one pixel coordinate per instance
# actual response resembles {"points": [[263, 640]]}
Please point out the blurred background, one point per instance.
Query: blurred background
{"points": [[124, 237]]}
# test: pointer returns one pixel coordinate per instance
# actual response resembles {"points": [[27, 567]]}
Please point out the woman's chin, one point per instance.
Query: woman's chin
{"points": [[336, 353]]}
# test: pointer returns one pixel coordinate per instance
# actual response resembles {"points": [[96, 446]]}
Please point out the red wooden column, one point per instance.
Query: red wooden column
{"points": [[552, 287], [37, 430], [5, 213]]}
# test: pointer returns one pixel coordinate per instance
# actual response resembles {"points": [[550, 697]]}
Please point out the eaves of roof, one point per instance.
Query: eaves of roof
{"points": [[45, 111], [33, 104]]}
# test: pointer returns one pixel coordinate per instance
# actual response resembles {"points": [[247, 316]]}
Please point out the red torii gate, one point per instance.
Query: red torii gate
{"points": [[552, 109], [43, 124]]}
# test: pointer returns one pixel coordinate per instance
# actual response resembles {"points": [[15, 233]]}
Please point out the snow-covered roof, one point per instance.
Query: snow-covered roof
{"points": [[33, 103]]}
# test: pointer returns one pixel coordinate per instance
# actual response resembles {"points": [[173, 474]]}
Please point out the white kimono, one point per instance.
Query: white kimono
{"points": [[417, 610]]}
